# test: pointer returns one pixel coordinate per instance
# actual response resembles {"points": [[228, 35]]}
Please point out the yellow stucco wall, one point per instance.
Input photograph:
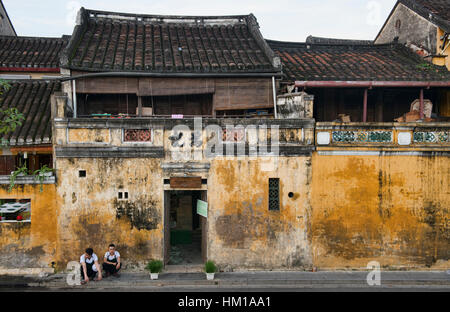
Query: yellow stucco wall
{"points": [[91, 215], [391, 209], [89, 135], [445, 51], [30, 244], [242, 232]]}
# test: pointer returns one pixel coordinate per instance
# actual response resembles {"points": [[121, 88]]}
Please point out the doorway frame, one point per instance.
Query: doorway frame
{"points": [[166, 223]]}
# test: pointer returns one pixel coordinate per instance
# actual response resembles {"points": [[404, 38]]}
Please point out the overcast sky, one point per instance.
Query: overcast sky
{"points": [[288, 20]]}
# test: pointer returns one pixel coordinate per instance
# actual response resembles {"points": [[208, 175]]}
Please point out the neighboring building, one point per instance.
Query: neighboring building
{"points": [[375, 184], [423, 26], [342, 73], [6, 27], [30, 57], [31, 240]]}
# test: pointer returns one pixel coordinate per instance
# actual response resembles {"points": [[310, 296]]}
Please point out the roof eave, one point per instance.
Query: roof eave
{"points": [[370, 84], [173, 75]]}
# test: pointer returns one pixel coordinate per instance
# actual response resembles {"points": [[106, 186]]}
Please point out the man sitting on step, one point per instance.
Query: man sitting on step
{"points": [[111, 261], [90, 266]]}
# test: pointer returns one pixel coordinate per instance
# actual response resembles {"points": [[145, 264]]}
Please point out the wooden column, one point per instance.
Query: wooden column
{"points": [[140, 106], [421, 104], [365, 106], [380, 106]]}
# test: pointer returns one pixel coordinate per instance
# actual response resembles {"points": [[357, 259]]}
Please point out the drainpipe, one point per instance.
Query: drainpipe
{"points": [[74, 99], [274, 97]]}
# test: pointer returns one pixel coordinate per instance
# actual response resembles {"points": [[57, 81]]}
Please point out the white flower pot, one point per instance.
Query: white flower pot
{"points": [[209, 276], [154, 276]]}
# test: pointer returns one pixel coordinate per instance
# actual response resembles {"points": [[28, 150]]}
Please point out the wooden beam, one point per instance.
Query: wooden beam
{"points": [[364, 117], [421, 104], [140, 106], [380, 106], [186, 182], [31, 149]]}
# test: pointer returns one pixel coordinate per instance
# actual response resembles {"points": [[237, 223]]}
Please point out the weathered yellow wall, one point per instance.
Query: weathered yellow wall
{"points": [[242, 232], [391, 209], [89, 210], [89, 135], [446, 51], [25, 244]]}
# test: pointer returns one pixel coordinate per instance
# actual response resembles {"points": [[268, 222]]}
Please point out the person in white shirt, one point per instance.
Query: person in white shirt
{"points": [[89, 266], [111, 261]]}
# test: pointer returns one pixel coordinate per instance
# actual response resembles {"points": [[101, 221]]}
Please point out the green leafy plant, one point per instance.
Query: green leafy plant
{"points": [[4, 86], [424, 66], [12, 178], [10, 118], [210, 267], [154, 266], [40, 175]]}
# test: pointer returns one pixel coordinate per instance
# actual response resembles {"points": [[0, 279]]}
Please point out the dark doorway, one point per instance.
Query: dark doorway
{"points": [[184, 228]]}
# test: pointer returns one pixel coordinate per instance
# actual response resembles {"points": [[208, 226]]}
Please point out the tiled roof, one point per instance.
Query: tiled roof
{"points": [[334, 62], [31, 53], [107, 41], [32, 99], [436, 11]]}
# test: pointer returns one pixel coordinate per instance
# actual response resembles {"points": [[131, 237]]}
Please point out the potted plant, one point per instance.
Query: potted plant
{"points": [[210, 269], [22, 171], [41, 174], [155, 267]]}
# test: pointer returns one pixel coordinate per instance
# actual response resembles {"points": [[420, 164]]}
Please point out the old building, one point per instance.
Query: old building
{"points": [[28, 206], [6, 27], [186, 138], [379, 186], [132, 158], [368, 82], [423, 26]]}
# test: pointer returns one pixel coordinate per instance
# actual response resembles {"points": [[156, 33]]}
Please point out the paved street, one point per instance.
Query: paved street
{"points": [[241, 281]]}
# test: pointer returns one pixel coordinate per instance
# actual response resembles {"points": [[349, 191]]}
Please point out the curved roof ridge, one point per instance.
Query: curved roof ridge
{"points": [[326, 40], [132, 16]]}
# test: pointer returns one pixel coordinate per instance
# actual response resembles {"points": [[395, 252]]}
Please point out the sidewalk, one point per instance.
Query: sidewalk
{"points": [[263, 280]]}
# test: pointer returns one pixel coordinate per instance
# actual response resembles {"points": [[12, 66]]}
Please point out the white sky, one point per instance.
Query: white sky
{"points": [[288, 20]]}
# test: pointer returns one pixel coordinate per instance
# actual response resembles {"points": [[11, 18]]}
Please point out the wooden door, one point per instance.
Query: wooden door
{"points": [[166, 227]]}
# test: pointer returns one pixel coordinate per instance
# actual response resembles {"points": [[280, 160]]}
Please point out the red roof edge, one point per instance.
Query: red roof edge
{"points": [[371, 84], [31, 69]]}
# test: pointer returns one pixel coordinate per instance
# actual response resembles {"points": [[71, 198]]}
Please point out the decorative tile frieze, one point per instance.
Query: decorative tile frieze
{"points": [[431, 137], [137, 135], [362, 136]]}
